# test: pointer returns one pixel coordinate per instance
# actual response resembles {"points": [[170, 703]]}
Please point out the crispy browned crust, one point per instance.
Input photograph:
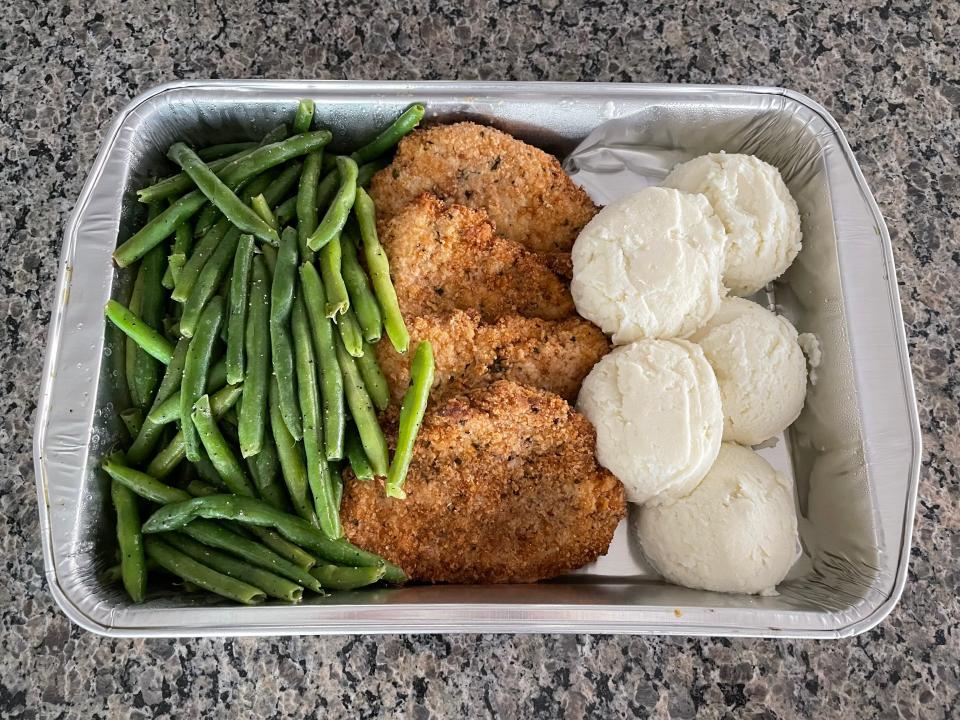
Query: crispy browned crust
{"points": [[447, 257], [504, 487], [524, 190], [553, 355]]}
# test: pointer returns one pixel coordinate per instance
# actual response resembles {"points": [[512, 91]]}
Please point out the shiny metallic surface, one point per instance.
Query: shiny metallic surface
{"points": [[853, 454]]}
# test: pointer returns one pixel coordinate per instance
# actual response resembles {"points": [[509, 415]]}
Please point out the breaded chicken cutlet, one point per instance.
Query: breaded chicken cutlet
{"points": [[529, 197], [504, 487], [448, 257], [553, 355]]}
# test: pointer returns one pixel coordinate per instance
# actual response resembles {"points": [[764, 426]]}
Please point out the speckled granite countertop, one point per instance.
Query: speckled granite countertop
{"points": [[889, 73]]}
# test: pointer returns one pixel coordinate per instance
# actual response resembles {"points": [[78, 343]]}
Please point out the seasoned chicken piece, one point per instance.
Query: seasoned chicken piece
{"points": [[504, 487], [525, 191], [554, 355], [447, 257]]}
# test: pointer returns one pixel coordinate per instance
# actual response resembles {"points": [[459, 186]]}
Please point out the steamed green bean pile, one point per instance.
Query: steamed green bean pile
{"points": [[259, 293]]}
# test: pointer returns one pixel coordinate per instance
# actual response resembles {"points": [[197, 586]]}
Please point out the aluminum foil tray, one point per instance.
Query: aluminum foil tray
{"points": [[853, 454]]}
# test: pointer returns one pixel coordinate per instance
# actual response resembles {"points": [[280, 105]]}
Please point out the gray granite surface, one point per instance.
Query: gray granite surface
{"points": [[889, 73]]}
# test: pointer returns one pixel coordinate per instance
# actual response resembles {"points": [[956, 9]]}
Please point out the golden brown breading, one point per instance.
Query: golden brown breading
{"points": [[449, 258], [554, 355], [504, 487], [524, 190]]}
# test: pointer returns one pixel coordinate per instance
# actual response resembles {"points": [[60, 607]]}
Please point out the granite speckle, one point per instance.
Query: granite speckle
{"points": [[889, 73]]}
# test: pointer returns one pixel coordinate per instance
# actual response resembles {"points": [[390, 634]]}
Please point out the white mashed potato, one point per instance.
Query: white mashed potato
{"points": [[650, 265], [760, 216], [736, 532], [760, 368], [656, 407]]}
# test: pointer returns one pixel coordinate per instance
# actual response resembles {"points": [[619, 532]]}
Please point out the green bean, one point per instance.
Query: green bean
{"points": [[318, 473], [253, 411], [366, 172], [209, 216], [195, 371], [175, 263], [330, 270], [214, 152], [169, 410], [143, 484], [286, 211], [113, 574], [335, 472], [335, 577], [176, 185], [189, 569], [207, 472], [270, 538], [327, 187], [356, 457], [182, 244], [362, 299], [274, 135], [232, 175], [131, 350], [325, 352], [304, 117], [132, 419], [257, 185], [195, 263], [283, 547], [158, 492], [208, 281], [158, 229], [373, 379], [291, 461], [256, 512], [263, 211], [265, 469], [268, 156], [269, 254], [170, 456], [143, 335], [306, 203], [379, 268], [218, 376], [115, 359], [407, 121], [223, 538], [272, 585], [362, 410], [146, 370], [411, 416], [283, 184], [237, 314], [350, 332], [200, 488], [171, 324], [339, 210], [133, 564], [151, 430], [281, 304], [220, 194], [219, 450]]}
